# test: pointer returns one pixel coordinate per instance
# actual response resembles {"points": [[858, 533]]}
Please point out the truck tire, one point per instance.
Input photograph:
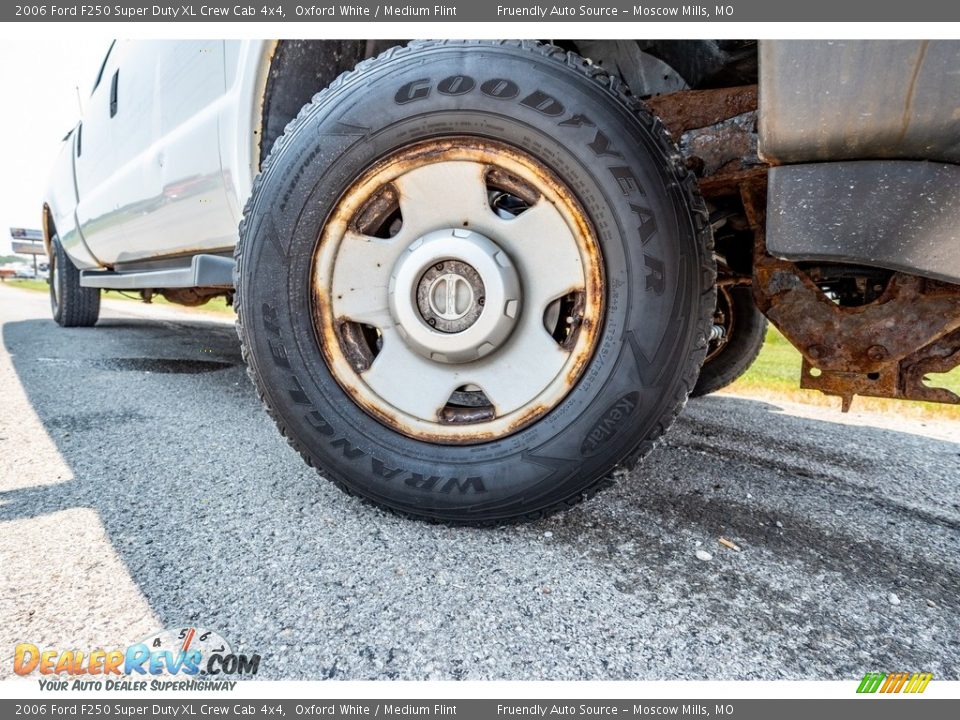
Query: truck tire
{"points": [[473, 278], [71, 304], [745, 328]]}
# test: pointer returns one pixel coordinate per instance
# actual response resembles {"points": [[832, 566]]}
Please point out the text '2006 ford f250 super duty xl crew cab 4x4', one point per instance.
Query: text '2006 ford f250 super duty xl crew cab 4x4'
{"points": [[474, 278]]}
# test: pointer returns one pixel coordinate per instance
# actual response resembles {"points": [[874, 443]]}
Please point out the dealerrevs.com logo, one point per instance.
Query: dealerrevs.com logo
{"points": [[188, 658]]}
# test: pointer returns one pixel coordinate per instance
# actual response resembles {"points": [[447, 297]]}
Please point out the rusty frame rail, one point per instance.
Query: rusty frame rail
{"points": [[884, 348]]}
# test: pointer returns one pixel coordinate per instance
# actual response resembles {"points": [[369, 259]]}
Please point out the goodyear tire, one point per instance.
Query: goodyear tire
{"points": [[745, 328], [71, 304], [424, 182]]}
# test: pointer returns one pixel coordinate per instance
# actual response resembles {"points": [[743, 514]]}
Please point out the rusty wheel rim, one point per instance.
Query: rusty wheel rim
{"points": [[412, 248]]}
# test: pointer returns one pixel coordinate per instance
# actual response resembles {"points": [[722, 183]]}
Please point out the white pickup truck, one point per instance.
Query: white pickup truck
{"points": [[473, 278]]}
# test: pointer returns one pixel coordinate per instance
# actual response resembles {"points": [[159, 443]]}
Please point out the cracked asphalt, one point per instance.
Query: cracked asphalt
{"points": [[143, 487]]}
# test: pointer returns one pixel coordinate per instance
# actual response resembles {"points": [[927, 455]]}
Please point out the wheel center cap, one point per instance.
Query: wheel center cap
{"points": [[450, 296], [455, 295]]}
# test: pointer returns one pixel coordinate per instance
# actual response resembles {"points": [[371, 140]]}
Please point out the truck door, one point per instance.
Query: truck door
{"points": [[94, 162], [165, 192]]}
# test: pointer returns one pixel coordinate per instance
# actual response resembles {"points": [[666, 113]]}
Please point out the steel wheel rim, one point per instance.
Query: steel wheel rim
{"points": [[496, 211]]}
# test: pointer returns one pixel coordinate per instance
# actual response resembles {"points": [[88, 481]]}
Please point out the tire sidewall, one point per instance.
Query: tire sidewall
{"points": [[653, 281], [741, 349]]}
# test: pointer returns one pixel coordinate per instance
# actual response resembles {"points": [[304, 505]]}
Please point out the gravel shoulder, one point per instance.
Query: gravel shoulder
{"points": [[142, 486]]}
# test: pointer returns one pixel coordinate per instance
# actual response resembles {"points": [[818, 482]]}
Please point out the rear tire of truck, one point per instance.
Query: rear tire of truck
{"points": [[474, 278], [745, 328], [71, 304]]}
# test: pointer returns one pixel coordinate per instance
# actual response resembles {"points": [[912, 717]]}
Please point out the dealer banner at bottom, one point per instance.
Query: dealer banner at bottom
{"points": [[875, 708]]}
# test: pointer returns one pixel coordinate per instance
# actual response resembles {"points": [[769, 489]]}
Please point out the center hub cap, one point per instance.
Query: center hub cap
{"points": [[450, 296], [455, 295]]}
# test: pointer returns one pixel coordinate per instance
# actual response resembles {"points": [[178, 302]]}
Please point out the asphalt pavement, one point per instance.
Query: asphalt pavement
{"points": [[142, 487]]}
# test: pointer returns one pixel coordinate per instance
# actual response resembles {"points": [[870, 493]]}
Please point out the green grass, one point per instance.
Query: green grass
{"points": [[216, 305], [28, 284], [777, 365]]}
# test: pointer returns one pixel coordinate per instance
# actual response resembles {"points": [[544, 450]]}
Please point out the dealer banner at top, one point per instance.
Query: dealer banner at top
{"points": [[483, 11]]}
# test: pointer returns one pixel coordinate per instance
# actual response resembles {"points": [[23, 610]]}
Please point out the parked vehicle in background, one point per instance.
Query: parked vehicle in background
{"points": [[472, 278]]}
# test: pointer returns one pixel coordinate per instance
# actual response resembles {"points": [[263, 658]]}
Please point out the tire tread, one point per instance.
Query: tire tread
{"points": [[79, 306]]}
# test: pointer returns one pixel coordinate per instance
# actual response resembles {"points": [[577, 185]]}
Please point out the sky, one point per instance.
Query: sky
{"points": [[38, 82]]}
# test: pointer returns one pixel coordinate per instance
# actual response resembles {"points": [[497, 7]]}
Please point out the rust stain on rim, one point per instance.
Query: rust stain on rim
{"points": [[519, 173]]}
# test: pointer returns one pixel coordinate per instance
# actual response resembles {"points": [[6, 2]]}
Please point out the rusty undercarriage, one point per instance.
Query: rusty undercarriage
{"points": [[860, 331]]}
